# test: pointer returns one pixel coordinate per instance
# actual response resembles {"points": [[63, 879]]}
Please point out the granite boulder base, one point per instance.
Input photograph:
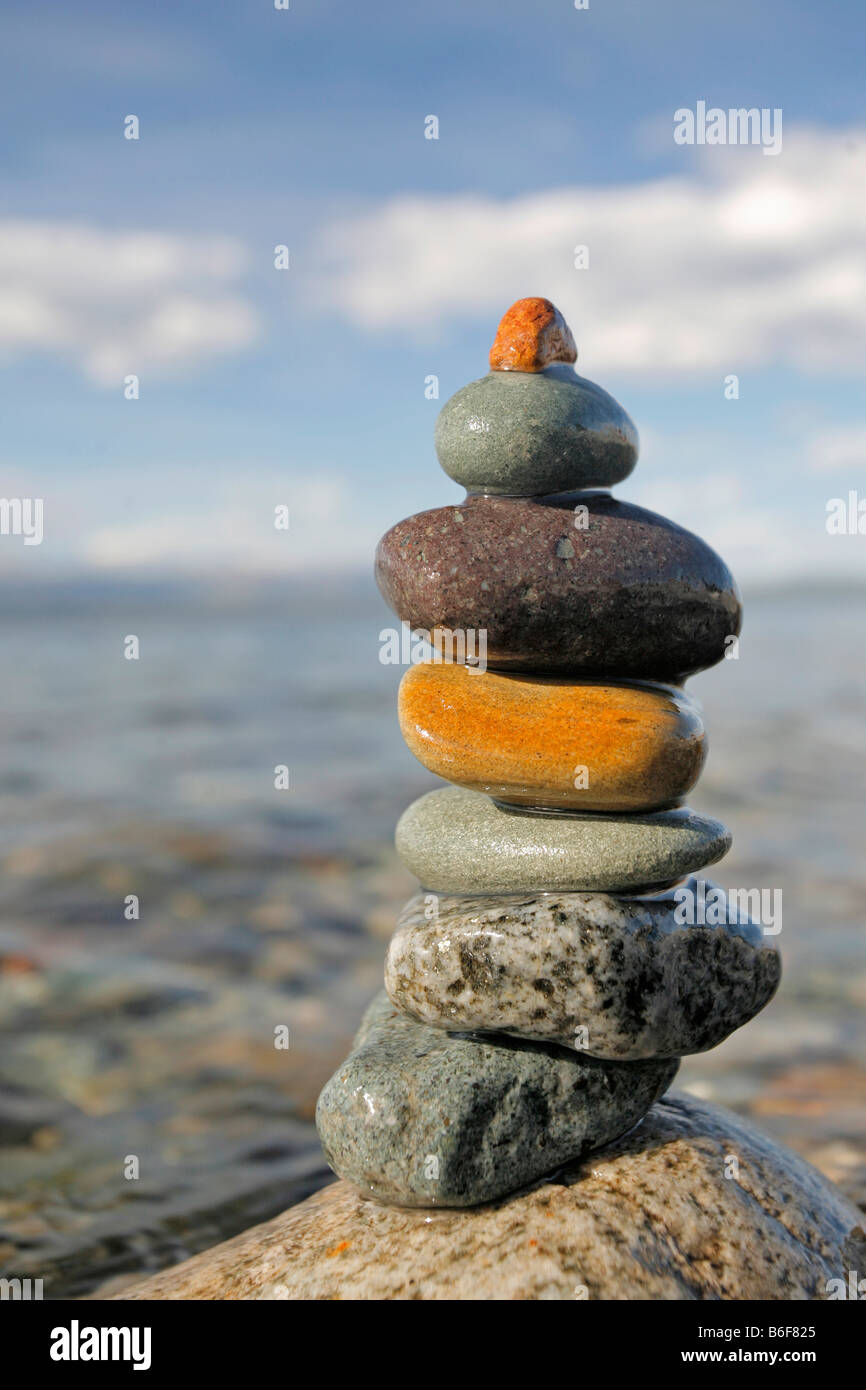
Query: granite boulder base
{"points": [[619, 978], [458, 841], [655, 1216], [612, 591], [553, 743], [421, 1117]]}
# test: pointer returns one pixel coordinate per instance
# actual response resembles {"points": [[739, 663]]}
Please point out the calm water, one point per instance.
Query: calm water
{"points": [[152, 1039]]}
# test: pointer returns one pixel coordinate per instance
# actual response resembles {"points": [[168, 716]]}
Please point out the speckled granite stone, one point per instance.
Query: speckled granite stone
{"points": [[422, 1117], [656, 1216], [618, 978], [458, 841], [522, 434], [630, 595], [579, 745]]}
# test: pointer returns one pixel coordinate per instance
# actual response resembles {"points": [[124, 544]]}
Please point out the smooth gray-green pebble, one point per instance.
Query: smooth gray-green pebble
{"points": [[524, 434], [458, 841], [420, 1117]]}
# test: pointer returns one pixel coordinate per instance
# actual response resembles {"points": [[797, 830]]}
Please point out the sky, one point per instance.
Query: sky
{"points": [[304, 387]]}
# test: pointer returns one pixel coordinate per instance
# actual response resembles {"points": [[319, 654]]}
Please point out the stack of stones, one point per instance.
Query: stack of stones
{"points": [[544, 983]]}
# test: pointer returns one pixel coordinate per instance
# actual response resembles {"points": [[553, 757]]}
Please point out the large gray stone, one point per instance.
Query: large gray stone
{"points": [[421, 1117], [663, 1214], [526, 433], [459, 841], [617, 977]]}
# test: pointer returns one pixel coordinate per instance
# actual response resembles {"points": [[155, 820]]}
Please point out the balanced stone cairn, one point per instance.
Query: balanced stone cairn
{"points": [[543, 985]]}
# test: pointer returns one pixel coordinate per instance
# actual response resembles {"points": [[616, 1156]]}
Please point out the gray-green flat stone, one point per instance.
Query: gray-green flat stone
{"points": [[551, 966], [420, 1117], [458, 841], [524, 434]]}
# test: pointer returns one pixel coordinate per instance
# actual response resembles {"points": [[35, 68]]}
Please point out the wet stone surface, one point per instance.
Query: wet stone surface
{"points": [[521, 739], [628, 594], [458, 841], [657, 1216], [421, 1117], [618, 977], [523, 435]]}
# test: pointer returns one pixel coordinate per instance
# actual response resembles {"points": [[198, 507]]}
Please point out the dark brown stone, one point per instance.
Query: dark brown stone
{"points": [[631, 594]]}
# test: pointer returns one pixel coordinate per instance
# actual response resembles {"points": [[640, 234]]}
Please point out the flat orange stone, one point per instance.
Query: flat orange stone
{"points": [[531, 335], [556, 744]]}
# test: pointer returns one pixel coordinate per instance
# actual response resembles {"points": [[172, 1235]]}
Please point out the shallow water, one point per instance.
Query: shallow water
{"points": [[153, 1039]]}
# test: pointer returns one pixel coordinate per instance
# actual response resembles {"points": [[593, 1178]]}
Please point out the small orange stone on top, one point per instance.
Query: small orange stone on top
{"points": [[531, 335]]}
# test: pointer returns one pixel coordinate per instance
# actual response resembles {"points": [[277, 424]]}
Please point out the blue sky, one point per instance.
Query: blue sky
{"points": [[306, 387]]}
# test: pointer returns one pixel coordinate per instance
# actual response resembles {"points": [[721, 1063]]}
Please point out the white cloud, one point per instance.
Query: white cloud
{"points": [[230, 529], [759, 542], [746, 262], [116, 303], [838, 451]]}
